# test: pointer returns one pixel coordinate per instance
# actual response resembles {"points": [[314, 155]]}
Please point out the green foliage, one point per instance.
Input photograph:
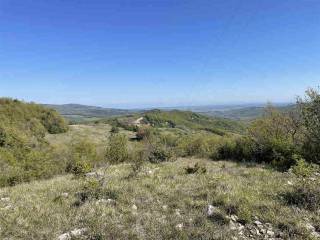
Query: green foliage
{"points": [[191, 121], [144, 133], [302, 169], [24, 153], [271, 139], [200, 145], [117, 149], [82, 157], [160, 154], [310, 112], [138, 156]]}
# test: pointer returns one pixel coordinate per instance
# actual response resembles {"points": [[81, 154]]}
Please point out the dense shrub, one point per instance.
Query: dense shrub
{"points": [[305, 192], [200, 145], [310, 114], [82, 157], [117, 149], [160, 154], [269, 140], [144, 133]]}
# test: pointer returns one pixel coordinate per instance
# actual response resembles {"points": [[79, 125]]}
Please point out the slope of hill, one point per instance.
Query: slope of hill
{"points": [[230, 201], [77, 112], [184, 120], [23, 149], [246, 113]]}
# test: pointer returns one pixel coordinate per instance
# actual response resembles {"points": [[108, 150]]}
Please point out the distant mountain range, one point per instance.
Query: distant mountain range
{"points": [[77, 112]]}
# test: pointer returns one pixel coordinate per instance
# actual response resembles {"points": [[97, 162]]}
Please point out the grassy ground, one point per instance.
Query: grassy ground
{"points": [[161, 202]]}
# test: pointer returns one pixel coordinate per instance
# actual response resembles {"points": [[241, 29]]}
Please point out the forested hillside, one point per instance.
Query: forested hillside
{"points": [[23, 150]]}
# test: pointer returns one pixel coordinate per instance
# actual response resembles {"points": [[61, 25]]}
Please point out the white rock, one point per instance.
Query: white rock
{"points": [[165, 207], [290, 183], [73, 233], [241, 227], [234, 218], [177, 211], [179, 226], [65, 236], [232, 226], [78, 232], [270, 233], [211, 210], [315, 234], [310, 227], [94, 175], [5, 199], [134, 207], [65, 194], [105, 201], [257, 223]]}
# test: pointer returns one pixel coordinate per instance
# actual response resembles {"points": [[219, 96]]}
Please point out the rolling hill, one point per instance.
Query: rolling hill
{"points": [[78, 112]]}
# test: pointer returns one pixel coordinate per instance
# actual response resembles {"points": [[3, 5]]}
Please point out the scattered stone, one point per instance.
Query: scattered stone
{"points": [[165, 207], [211, 210], [8, 207], [5, 199], [315, 234], [105, 201], [313, 231], [234, 218], [258, 223], [94, 175], [65, 194], [290, 183], [179, 226], [233, 226], [177, 212], [73, 233], [270, 233], [134, 207], [310, 227]]}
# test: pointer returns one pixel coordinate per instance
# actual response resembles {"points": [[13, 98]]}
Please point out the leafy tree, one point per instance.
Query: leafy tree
{"points": [[310, 112]]}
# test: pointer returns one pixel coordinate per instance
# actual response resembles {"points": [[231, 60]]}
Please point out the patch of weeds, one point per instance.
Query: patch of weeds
{"points": [[197, 168], [93, 189], [306, 194]]}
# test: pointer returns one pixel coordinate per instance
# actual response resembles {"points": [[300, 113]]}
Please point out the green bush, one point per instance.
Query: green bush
{"points": [[270, 139], [200, 145], [302, 169], [82, 157], [310, 113], [160, 154], [117, 149]]}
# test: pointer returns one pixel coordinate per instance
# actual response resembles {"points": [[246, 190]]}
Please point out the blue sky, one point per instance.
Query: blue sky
{"points": [[135, 53]]}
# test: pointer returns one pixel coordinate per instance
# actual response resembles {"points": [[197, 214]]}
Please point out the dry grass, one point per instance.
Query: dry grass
{"points": [[161, 202]]}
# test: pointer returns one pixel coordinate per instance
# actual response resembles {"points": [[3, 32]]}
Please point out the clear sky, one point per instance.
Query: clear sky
{"points": [[134, 53]]}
